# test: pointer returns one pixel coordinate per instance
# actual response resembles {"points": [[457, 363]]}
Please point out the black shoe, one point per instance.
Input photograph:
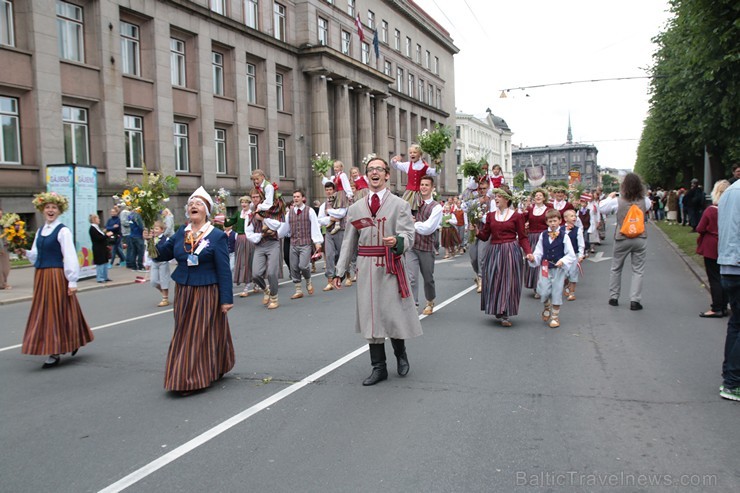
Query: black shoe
{"points": [[614, 302], [55, 362], [378, 375], [635, 305], [711, 315], [377, 359], [402, 359], [75, 351]]}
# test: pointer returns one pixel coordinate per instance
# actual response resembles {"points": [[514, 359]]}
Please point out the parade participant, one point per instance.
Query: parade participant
{"points": [[554, 256], [201, 350], [360, 182], [535, 217], [415, 168], [342, 192], [160, 270], [243, 248], [478, 250], [55, 324], [99, 249], [302, 225], [328, 216], [420, 257], [450, 236], [271, 210], [728, 258], [168, 220], [560, 200], [4, 261], [495, 179], [460, 220], [631, 192], [231, 242], [385, 307], [707, 248], [502, 270], [578, 243], [113, 226], [584, 218], [267, 257]]}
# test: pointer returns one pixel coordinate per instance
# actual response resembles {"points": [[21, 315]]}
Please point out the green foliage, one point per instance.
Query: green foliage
{"points": [[609, 183], [519, 180], [555, 183], [435, 142]]}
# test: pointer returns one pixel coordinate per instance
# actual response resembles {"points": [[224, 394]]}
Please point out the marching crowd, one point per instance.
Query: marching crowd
{"points": [[385, 244]]}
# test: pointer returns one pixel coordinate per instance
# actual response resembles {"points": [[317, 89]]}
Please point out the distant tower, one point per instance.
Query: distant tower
{"points": [[570, 132]]}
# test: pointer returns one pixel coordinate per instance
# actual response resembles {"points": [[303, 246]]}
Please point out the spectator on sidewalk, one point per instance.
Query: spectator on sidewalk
{"points": [[136, 242], [113, 226], [729, 264], [124, 214], [735, 173], [99, 249], [693, 203], [707, 248]]}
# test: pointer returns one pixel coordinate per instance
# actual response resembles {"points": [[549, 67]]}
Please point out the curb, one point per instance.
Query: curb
{"points": [[79, 290], [693, 267]]}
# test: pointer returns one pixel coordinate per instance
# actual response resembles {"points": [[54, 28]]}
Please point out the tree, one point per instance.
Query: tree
{"points": [[519, 180], [609, 183]]}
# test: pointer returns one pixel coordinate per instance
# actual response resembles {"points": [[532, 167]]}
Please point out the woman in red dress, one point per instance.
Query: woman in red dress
{"points": [[534, 217]]}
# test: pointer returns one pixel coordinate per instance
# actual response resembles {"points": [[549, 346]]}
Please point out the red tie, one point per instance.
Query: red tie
{"points": [[298, 211], [374, 204]]}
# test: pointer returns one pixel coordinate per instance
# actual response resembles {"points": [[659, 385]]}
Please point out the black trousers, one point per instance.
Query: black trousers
{"points": [[719, 297]]}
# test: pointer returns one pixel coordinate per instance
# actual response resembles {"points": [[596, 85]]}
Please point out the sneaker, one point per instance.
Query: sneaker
{"points": [[732, 394]]}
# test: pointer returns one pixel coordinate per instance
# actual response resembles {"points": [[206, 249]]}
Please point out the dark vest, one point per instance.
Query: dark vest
{"points": [[573, 235], [300, 227], [424, 243], [49, 250], [585, 219], [555, 250]]}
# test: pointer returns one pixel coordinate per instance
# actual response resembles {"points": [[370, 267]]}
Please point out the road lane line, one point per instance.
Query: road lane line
{"points": [[212, 433]]}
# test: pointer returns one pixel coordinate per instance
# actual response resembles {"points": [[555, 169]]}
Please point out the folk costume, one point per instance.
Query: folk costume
{"points": [[553, 247], [450, 237], [562, 206], [55, 324], [201, 350], [271, 207], [302, 226], [420, 258], [361, 188], [502, 269], [334, 238], [535, 218], [579, 247], [266, 264], [583, 215], [243, 248], [415, 171], [160, 274], [385, 307], [478, 250], [342, 190], [460, 220]]}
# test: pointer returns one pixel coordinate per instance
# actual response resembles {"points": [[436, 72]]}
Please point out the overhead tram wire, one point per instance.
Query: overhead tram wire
{"points": [[522, 88]]}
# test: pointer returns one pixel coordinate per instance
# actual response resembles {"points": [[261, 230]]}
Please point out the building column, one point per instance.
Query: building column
{"points": [[381, 127], [164, 158], [343, 125], [364, 123], [320, 137]]}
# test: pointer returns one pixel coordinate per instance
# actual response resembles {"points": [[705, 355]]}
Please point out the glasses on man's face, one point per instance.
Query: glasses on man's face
{"points": [[376, 169]]}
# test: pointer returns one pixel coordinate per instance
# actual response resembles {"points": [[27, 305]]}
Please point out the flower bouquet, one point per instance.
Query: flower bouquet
{"points": [[476, 212], [13, 231], [219, 207], [435, 142], [147, 200], [472, 166], [322, 163]]}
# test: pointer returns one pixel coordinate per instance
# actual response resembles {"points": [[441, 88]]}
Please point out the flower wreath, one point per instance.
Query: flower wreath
{"points": [[41, 199]]}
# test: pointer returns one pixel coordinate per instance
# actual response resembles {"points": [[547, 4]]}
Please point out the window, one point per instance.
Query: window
{"points": [[397, 40], [76, 148], [351, 8], [253, 152], [130, 49], [371, 19], [7, 36], [411, 85], [219, 6], [10, 135], [387, 68], [399, 79], [218, 73], [133, 138], [182, 159], [418, 54], [365, 53], [430, 95], [420, 92], [251, 83], [346, 43], [323, 31], [439, 98], [70, 30], [408, 47], [384, 31], [428, 60], [177, 62], [282, 171], [280, 92], [279, 21], [220, 141], [251, 13], [436, 65]]}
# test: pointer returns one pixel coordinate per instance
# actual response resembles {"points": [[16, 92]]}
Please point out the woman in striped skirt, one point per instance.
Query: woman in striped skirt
{"points": [[56, 324], [201, 350], [360, 181], [243, 251], [502, 272], [534, 217]]}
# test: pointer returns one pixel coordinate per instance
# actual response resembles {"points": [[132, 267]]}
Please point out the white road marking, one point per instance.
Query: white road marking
{"points": [[208, 435]]}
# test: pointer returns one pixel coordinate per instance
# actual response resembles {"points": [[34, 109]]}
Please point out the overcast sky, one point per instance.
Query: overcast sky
{"points": [[505, 44]]}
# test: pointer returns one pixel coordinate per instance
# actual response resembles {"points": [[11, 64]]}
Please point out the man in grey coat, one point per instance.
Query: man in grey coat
{"points": [[381, 229]]}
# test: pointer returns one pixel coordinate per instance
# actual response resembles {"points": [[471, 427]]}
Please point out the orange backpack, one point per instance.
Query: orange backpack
{"points": [[634, 222]]}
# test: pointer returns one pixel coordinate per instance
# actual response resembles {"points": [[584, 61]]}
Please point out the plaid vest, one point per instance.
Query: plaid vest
{"points": [[300, 227], [424, 243]]}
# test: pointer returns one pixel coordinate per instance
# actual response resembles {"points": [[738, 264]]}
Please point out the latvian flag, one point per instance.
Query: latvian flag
{"points": [[360, 32]]}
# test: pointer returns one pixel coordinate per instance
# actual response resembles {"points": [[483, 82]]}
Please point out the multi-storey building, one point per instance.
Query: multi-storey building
{"points": [[488, 138], [210, 90], [560, 160]]}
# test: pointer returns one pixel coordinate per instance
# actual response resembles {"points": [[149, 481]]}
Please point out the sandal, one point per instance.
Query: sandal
{"points": [[243, 294], [571, 297], [164, 302], [546, 314], [505, 323], [554, 322]]}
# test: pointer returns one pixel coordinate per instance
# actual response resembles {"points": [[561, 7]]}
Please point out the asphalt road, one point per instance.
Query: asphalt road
{"points": [[613, 400]]}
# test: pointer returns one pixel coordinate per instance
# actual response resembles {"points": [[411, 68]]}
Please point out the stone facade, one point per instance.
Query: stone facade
{"points": [[559, 161], [488, 137]]}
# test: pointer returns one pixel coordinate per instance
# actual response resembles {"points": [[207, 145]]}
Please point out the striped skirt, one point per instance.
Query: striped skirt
{"points": [[362, 192], [502, 279], [201, 349], [341, 200], [56, 324], [243, 254], [532, 274], [450, 238], [413, 197]]}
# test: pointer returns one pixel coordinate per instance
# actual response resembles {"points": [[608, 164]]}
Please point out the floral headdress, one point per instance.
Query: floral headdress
{"points": [[542, 191], [503, 192], [41, 199]]}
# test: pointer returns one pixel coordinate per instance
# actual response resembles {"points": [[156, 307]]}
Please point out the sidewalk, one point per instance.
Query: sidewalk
{"points": [[21, 279]]}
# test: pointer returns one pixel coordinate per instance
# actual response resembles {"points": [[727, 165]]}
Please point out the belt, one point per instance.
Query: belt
{"points": [[393, 265]]}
